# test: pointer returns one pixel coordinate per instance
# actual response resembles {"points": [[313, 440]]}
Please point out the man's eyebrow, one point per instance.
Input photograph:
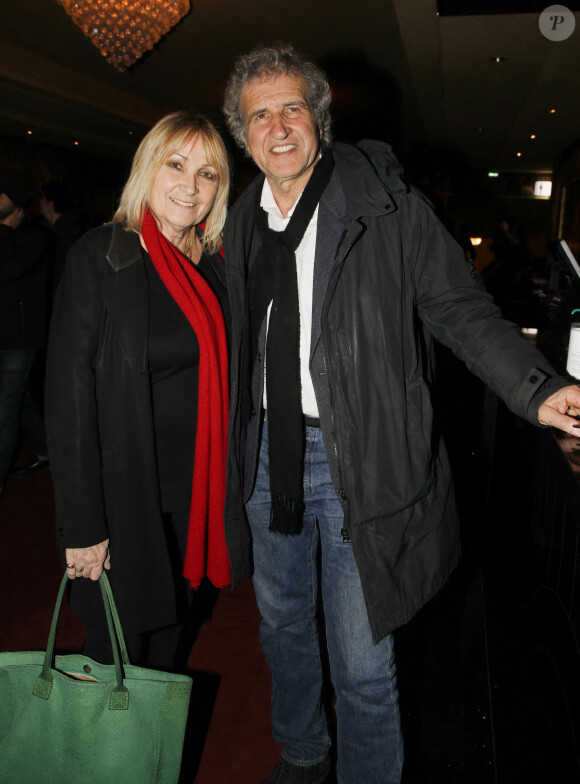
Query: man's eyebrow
{"points": [[297, 102]]}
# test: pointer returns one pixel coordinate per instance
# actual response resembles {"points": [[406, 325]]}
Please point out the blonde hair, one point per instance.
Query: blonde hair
{"points": [[168, 135]]}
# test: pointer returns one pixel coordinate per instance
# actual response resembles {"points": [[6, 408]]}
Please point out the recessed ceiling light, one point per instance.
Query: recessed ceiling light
{"points": [[498, 59], [552, 111], [533, 136], [29, 133], [519, 154], [76, 144], [493, 174]]}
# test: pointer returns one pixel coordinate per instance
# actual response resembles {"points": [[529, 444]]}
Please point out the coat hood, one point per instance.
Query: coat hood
{"points": [[373, 174]]}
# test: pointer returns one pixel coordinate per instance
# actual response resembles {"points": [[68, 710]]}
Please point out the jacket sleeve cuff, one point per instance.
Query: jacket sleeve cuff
{"points": [[545, 386]]}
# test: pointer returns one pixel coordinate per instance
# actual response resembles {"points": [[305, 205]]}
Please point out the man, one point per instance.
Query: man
{"points": [[62, 222], [23, 314], [349, 278], [57, 205]]}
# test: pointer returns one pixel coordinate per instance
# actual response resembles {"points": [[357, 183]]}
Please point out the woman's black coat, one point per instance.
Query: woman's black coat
{"points": [[100, 428]]}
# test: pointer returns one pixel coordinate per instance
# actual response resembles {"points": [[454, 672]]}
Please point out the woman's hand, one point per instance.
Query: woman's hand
{"points": [[88, 561]]}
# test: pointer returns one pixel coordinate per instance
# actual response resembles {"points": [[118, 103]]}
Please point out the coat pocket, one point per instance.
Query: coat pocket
{"points": [[419, 436]]}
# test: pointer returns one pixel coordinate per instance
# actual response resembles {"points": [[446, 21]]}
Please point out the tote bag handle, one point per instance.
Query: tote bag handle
{"points": [[119, 699]]}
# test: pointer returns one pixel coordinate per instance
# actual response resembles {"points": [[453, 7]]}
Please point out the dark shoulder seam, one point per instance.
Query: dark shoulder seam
{"points": [[124, 248]]}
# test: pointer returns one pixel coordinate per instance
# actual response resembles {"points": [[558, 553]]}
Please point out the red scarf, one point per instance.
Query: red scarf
{"points": [[206, 544]]}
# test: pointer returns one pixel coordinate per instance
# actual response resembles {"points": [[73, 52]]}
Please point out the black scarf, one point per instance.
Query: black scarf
{"points": [[273, 278]]}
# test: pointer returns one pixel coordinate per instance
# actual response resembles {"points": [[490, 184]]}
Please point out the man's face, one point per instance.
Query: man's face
{"points": [[281, 133]]}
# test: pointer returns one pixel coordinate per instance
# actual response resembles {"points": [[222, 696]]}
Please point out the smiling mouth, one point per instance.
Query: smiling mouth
{"points": [[182, 203], [283, 148]]}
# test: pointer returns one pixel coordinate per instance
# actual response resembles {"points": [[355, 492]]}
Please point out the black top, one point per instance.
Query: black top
{"points": [[174, 366]]}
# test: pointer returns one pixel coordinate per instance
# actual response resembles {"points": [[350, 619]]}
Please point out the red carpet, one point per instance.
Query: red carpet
{"points": [[229, 735], [442, 676]]}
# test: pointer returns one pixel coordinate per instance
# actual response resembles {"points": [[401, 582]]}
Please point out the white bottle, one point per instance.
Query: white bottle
{"points": [[573, 361]]}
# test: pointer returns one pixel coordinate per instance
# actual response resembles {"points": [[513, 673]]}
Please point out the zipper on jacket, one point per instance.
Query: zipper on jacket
{"points": [[329, 293], [344, 530], [341, 491]]}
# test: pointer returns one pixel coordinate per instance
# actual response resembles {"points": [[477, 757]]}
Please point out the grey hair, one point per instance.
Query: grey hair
{"points": [[277, 60]]}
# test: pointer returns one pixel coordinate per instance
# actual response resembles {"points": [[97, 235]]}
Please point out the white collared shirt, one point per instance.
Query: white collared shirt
{"points": [[305, 274]]}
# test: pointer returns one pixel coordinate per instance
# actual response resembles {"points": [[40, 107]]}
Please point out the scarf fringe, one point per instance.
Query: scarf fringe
{"points": [[286, 515]]}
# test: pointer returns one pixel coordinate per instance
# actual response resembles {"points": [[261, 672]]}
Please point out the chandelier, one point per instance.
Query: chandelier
{"points": [[123, 30]]}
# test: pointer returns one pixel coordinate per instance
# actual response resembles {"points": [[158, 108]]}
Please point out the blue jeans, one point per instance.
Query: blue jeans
{"points": [[15, 367], [369, 741]]}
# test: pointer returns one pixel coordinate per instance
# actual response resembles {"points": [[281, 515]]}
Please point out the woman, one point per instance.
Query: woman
{"points": [[137, 395]]}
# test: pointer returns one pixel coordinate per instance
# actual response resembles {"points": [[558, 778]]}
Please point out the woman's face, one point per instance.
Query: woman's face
{"points": [[184, 189]]}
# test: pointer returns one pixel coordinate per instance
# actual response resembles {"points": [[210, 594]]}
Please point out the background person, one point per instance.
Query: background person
{"points": [[24, 251], [137, 395], [350, 277], [62, 220], [58, 208], [508, 277]]}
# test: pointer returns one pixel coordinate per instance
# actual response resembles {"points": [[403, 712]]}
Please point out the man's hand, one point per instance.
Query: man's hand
{"points": [[560, 409], [87, 561]]}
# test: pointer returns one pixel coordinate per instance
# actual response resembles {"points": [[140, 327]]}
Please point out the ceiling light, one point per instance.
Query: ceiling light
{"points": [[123, 30], [519, 154], [533, 136], [552, 111], [498, 59], [475, 240], [493, 174]]}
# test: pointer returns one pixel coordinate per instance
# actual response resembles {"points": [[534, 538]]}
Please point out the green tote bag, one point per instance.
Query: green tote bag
{"points": [[70, 720]]}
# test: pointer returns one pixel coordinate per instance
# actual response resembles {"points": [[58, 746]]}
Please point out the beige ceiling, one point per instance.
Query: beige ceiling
{"points": [[438, 79]]}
